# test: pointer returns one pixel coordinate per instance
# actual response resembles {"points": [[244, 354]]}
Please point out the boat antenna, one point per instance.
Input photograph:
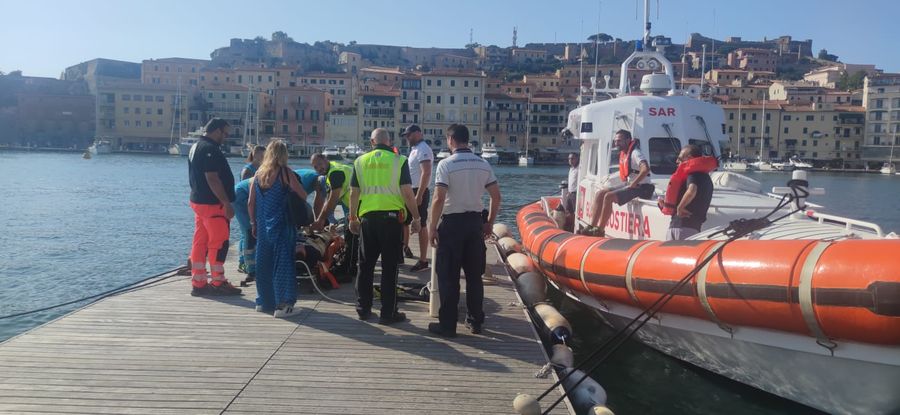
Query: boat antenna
{"points": [[596, 53], [581, 65]]}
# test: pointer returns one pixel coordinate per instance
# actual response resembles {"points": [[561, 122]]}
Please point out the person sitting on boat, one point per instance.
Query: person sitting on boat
{"points": [[253, 161], [689, 193], [337, 178], [634, 170]]}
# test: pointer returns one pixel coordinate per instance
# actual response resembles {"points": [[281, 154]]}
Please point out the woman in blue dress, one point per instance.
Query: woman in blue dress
{"points": [[254, 160], [276, 285]]}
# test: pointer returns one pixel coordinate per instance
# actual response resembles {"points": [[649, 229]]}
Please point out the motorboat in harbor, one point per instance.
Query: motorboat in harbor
{"points": [[799, 164], [100, 146], [782, 166], [761, 166], [352, 151], [489, 154], [184, 144], [805, 308], [888, 168], [525, 160], [444, 153], [735, 165], [333, 153]]}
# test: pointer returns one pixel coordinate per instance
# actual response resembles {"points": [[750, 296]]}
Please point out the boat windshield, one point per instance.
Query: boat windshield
{"points": [[663, 155]]}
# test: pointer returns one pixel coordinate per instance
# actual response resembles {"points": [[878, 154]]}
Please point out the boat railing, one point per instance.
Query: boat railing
{"points": [[848, 223]]}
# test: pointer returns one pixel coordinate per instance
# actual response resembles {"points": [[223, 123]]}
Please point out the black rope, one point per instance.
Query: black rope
{"points": [[735, 230], [133, 286]]}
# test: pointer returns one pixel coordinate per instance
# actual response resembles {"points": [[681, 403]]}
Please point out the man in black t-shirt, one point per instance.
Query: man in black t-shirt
{"points": [[693, 200], [212, 191]]}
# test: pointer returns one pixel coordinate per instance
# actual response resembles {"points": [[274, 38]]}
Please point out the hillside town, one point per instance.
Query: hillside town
{"points": [[513, 99]]}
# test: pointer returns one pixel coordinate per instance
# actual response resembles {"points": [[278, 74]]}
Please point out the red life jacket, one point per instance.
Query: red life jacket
{"points": [[703, 164], [625, 162]]}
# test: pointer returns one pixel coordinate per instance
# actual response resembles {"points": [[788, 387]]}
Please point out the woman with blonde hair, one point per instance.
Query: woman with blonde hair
{"points": [[276, 287]]}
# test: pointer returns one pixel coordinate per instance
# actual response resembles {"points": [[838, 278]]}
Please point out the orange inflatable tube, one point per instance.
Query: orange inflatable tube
{"points": [[831, 290]]}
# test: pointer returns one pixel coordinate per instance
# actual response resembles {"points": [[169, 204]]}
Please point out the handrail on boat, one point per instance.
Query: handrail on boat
{"points": [[847, 222]]}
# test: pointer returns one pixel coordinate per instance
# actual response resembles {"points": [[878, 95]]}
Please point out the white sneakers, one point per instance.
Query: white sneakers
{"points": [[286, 311]]}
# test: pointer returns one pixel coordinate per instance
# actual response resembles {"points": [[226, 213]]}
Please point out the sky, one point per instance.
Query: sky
{"points": [[42, 37]]}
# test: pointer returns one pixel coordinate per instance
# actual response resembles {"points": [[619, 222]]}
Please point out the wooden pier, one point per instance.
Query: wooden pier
{"points": [[158, 350]]}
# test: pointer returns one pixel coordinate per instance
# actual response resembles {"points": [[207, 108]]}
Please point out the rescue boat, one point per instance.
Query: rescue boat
{"points": [[807, 308]]}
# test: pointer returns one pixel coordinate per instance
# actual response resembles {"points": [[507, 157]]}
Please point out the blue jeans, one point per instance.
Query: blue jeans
{"points": [[247, 247]]}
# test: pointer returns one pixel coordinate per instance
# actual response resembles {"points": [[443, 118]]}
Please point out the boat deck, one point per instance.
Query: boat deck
{"points": [[158, 350]]}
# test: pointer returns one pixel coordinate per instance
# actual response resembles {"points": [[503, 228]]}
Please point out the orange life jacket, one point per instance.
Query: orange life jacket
{"points": [[703, 164], [625, 162]]}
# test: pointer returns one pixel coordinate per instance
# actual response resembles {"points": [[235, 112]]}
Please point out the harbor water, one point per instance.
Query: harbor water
{"points": [[74, 228]]}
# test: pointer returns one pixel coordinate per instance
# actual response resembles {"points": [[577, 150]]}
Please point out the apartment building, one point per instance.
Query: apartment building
{"points": [[378, 109], [824, 133], [338, 85], [505, 121], [173, 72], [881, 98], [300, 116], [232, 102], [140, 117], [452, 97]]}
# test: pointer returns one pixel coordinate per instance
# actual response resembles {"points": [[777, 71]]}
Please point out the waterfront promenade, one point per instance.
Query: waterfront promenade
{"points": [[159, 350]]}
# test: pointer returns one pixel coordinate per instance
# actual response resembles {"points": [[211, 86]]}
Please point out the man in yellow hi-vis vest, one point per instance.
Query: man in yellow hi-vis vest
{"points": [[337, 179], [381, 198]]}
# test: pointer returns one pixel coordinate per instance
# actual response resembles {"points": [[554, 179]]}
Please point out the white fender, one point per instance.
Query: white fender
{"points": [[520, 263], [557, 324], [562, 356], [509, 245], [526, 404], [532, 288], [501, 230], [588, 394]]}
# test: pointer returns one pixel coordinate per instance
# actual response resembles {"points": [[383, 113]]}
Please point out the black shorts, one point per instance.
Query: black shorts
{"points": [[627, 194], [423, 207]]}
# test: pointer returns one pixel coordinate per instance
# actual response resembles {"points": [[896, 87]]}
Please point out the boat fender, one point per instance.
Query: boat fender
{"points": [[526, 404], [509, 245], [600, 410], [588, 393], [532, 288], [520, 263], [559, 327], [501, 230], [562, 356]]}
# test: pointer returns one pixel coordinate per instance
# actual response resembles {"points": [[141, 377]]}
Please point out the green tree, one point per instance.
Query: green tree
{"points": [[600, 37], [281, 36]]}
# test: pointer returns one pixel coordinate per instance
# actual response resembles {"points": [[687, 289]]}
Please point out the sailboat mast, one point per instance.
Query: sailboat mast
{"points": [[762, 134], [740, 101]]}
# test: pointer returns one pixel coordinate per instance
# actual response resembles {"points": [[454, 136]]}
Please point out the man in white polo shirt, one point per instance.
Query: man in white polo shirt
{"points": [[420, 161], [460, 182]]}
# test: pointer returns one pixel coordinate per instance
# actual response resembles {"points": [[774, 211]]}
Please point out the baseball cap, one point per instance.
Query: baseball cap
{"points": [[410, 129]]}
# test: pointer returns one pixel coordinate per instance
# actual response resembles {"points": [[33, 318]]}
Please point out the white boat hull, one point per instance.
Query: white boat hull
{"points": [[100, 149], [492, 159], [526, 161], [857, 379], [735, 166], [180, 149]]}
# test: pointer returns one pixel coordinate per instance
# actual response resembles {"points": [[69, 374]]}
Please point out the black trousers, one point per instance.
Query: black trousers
{"points": [[381, 235], [460, 246]]}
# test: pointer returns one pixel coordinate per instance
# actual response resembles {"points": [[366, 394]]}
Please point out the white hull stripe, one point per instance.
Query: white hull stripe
{"points": [[806, 292]]}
